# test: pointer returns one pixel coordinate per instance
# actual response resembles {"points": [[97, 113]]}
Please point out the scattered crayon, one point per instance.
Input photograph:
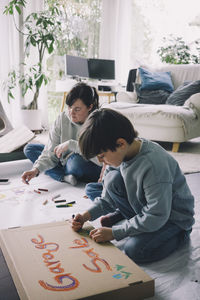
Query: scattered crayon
{"points": [[72, 202], [45, 202], [54, 197], [59, 201], [43, 190], [37, 192], [64, 205]]}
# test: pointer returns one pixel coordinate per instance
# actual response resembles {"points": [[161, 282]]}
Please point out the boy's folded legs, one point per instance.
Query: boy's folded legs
{"points": [[153, 246]]}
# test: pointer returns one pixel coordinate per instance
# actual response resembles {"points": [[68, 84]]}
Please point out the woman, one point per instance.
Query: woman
{"points": [[60, 158]]}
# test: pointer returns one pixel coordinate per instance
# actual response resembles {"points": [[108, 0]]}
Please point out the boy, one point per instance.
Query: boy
{"points": [[145, 185]]}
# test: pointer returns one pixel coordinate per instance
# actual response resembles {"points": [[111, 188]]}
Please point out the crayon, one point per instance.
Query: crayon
{"points": [[43, 190], [64, 205], [72, 202], [73, 216], [37, 192], [45, 202], [59, 201], [54, 197]]}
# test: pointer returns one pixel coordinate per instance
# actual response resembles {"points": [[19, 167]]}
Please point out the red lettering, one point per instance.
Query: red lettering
{"points": [[59, 278], [36, 241], [56, 269], [82, 243], [95, 257]]}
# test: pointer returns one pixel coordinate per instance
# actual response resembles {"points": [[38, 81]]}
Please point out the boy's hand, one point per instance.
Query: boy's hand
{"points": [[77, 222], [102, 234]]}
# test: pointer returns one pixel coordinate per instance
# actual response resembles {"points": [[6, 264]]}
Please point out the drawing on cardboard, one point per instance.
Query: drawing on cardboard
{"points": [[120, 275], [81, 243], [95, 257], [47, 256]]}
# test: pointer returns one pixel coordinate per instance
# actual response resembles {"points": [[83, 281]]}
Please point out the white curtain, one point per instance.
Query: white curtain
{"points": [[10, 55], [115, 41]]}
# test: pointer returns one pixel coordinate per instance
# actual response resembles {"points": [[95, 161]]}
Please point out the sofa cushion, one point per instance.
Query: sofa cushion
{"points": [[151, 97], [155, 80], [183, 92]]}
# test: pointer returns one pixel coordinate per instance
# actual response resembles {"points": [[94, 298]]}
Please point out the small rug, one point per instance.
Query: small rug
{"points": [[188, 155]]}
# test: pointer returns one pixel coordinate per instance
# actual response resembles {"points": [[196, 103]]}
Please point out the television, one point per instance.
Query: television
{"points": [[101, 69], [76, 66]]}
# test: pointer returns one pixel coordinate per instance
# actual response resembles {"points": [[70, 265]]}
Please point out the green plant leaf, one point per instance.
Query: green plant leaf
{"points": [[18, 9], [33, 41], [50, 48], [39, 81]]}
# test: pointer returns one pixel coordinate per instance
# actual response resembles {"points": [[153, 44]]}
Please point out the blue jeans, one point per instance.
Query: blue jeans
{"points": [[76, 165], [93, 190], [148, 246]]}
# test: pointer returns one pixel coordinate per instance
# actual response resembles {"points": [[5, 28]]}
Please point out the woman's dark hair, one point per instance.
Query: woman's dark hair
{"points": [[101, 131], [84, 92]]}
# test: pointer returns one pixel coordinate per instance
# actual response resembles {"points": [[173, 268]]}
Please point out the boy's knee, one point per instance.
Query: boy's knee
{"points": [[93, 190], [133, 250]]}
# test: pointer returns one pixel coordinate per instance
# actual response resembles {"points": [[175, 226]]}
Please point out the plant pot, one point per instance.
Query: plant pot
{"points": [[32, 118]]}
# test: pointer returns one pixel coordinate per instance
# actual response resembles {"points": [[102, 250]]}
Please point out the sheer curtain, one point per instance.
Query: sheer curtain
{"points": [[9, 57], [115, 41], [11, 52]]}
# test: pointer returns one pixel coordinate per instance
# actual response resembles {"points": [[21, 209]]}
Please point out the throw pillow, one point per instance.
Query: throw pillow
{"points": [[183, 92], [151, 97], [156, 80]]}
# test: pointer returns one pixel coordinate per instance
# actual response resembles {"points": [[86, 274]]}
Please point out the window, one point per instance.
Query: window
{"points": [[80, 21]]}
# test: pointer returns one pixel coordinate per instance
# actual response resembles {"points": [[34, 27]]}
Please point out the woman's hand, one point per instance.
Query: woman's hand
{"points": [[102, 234], [28, 175], [58, 150]]}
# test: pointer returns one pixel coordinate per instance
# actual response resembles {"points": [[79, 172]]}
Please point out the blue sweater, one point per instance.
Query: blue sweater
{"points": [[157, 191]]}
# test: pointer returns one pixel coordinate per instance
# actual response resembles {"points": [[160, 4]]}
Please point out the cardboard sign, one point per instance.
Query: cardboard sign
{"points": [[51, 261]]}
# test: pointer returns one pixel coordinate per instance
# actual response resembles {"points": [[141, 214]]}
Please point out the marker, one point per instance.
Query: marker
{"points": [[64, 205], [73, 216], [43, 190]]}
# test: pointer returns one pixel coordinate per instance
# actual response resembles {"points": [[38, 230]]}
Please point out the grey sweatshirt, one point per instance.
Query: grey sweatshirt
{"points": [[157, 191], [63, 130]]}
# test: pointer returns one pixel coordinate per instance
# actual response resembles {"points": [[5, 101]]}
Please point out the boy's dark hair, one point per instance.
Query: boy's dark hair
{"points": [[101, 131], [84, 92]]}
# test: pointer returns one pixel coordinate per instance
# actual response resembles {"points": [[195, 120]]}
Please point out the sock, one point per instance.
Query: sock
{"points": [[110, 219], [71, 179]]}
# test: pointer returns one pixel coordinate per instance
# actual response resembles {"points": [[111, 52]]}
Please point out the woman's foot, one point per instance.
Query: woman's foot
{"points": [[110, 219], [71, 179]]}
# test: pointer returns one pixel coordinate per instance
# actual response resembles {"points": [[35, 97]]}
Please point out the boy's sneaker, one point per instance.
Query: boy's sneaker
{"points": [[71, 179], [110, 219]]}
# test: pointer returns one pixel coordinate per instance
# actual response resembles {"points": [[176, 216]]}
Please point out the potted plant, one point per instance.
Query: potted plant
{"points": [[40, 31], [176, 51]]}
